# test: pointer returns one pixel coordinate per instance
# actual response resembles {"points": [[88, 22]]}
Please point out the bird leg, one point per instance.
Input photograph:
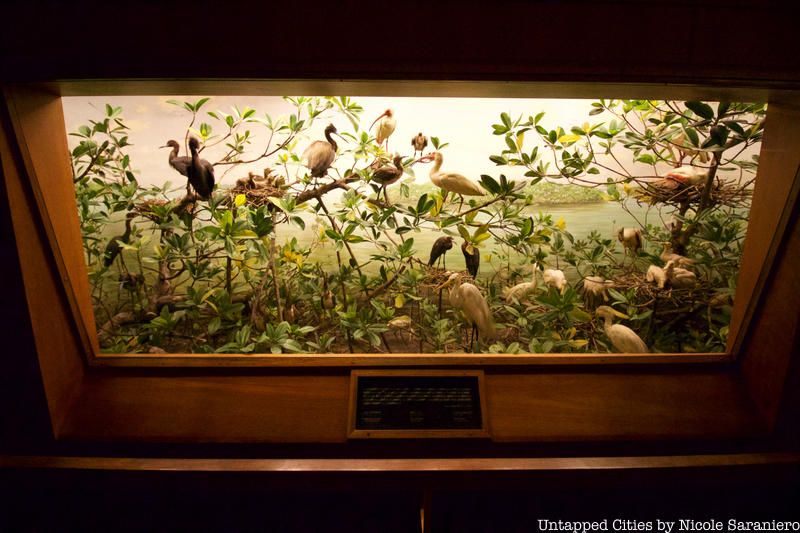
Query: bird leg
{"points": [[461, 203]]}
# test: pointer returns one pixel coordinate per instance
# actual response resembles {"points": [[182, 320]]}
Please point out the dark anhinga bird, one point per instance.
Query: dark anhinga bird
{"points": [[201, 172], [179, 163], [388, 174], [320, 154], [114, 246], [473, 259], [419, 142], [439, 249]]}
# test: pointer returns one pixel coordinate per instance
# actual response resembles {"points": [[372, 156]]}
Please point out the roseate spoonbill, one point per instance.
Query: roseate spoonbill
{"points": [[201, 172], [521, 291], [468, 298], [179, 163], [472, 257], [386, 125], [388, 174], [679, 278], [556, 279], [595, 291], [631, 239], [439, 250], [679, 260], [655, 274], [114, 246], [320, 154], [452, 182], [623, 338], [681, 177], [419, 142]]}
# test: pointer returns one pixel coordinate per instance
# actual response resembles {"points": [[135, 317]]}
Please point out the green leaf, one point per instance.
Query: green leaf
{"points": [[701, 109]]}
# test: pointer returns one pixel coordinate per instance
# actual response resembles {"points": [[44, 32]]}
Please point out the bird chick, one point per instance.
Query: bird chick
{"points": [[679, 260], [522, 291], [556, 279], [595, 291], [419, 142], [656, 274], [679, 278], [631, 239]]}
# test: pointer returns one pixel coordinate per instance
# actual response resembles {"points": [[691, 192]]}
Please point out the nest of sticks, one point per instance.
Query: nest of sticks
{"points": [[724, 193], [258, 189]]}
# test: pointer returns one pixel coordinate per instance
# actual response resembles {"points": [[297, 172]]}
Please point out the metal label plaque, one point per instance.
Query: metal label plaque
{"points": [[417, 404]]}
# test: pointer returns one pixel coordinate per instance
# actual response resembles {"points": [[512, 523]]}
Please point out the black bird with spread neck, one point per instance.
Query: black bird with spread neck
{"points": [[388, 174], [473, 260], [439, 250], [201, 172], [114, 246], [320, 154], [179, 163]]}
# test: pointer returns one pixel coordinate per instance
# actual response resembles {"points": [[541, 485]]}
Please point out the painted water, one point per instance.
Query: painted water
{"points": [[317, 224]]}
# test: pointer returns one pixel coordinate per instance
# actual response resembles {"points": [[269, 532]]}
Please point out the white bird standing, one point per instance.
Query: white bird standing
{"points": [[319, 155], [521, 291], [679, 278], [631, 239], [468, 298], [623, 338], [555, 278], [386, 125], [452, 182]]}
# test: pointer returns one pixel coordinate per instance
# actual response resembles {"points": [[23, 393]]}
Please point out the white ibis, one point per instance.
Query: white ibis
{"points": [[631, 239], [472, 258], [201, 172], [556, 279], [655, 274], [320, 154], [595, 291], [439, 250], [388, 174], [419, 142], [521, 291], [452, 182], [386, 125], [679, 278], [114, 246], [679, 260], [623, 338], [468, 298], [179, 163]]}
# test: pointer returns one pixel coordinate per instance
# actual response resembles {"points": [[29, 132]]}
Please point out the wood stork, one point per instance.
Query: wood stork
{"points": [[468, 298], [201, 172], [386, 125], [452, 182], [388, 174], [623, 338], [319, 155]]}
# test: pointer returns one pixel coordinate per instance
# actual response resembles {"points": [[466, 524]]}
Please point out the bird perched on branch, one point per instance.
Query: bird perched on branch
{"points": [[521, 291], [179, 163], [679, 278], [114, 246], [319, 155], [200, 172], [439, 250], [452, 182], [419, 142], [623, 338], [388, 174], [556, 279], [655, 274], [631, 239], [472, 257], [468, 298], [386, 125]]}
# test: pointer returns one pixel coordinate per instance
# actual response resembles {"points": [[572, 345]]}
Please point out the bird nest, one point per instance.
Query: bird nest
{"points": [[151, 208], [257, 190], [723, 193], [436, 276]]}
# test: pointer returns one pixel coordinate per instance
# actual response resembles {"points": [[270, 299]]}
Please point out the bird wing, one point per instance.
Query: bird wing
{"points": [[181, 164], [477, 310], [626, 340], [459, 184]]}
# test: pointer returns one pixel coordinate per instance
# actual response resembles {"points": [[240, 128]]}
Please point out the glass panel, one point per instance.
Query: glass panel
{"points": [[412, 225]]}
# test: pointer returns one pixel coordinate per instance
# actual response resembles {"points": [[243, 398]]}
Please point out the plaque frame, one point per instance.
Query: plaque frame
{"points": [[354, 433]]}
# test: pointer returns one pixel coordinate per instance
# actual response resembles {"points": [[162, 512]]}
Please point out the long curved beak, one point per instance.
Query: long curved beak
{"points": [[377, 119]]}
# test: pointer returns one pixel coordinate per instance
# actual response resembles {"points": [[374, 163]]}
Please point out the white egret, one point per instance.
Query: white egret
{"points": [[623, 338]]}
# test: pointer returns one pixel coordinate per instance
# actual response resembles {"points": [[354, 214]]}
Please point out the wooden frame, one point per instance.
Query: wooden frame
{"points": [[51, 188], [547, 399], [354, 433]]}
